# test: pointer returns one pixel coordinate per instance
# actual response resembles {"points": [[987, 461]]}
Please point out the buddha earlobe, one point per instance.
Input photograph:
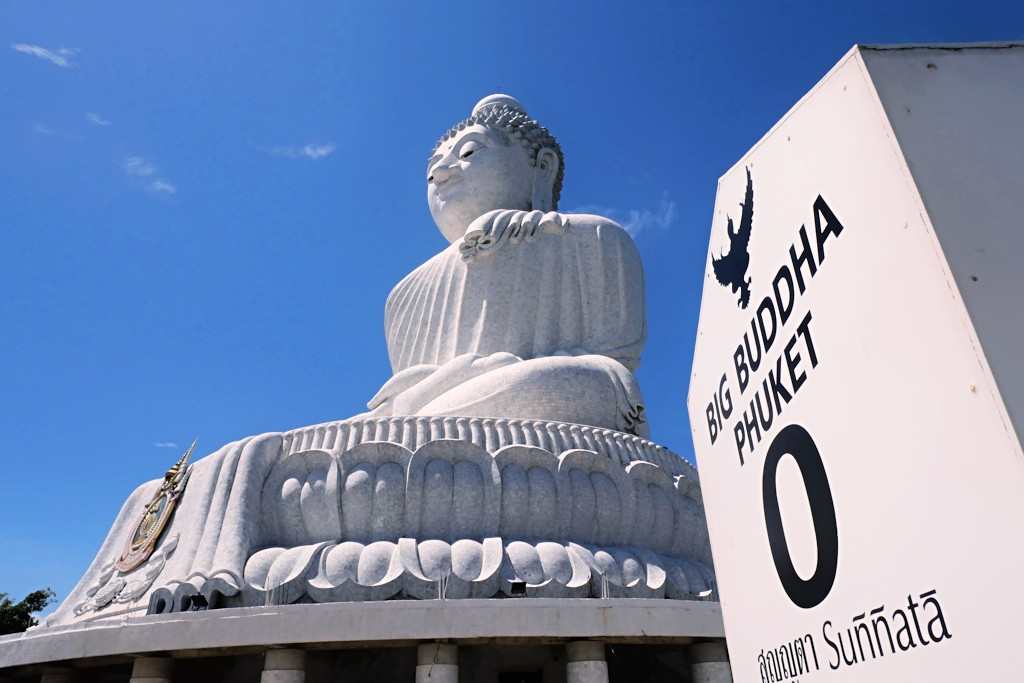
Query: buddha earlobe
{"points": [[545, 171]]}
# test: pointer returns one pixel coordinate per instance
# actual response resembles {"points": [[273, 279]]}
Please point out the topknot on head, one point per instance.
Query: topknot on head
{"points": [[498, 99]]}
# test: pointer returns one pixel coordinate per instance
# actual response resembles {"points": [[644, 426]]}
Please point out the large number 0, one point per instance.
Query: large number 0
{"points": [[795, 441]]}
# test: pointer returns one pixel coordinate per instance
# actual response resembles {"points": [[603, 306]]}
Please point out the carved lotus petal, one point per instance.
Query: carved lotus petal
{"points": [[289, 565], [555, 563], [655, 569], [377, 565], [606, 566], [467, 559], [632, 568], [677, 584], [525, 562], [257, 567], [435, 559], [340, 564], [426, 521]]}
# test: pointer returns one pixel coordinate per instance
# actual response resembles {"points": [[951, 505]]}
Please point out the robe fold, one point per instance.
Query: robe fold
{"points": [[577, 292]]}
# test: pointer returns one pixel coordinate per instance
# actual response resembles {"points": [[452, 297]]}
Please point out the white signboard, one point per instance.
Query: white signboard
{"points": [[863, 479]]}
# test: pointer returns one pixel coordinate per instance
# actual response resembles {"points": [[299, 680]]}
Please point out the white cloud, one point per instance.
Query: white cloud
{"points": [[60, 57], [95, 119], [311, 151], [42, 129], [662, 215], [162, 186], [137, 166], [164, 444], [146, 172]]}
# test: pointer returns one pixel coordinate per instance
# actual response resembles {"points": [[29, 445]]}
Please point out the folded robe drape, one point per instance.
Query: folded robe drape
{"points": [[581, 291]]}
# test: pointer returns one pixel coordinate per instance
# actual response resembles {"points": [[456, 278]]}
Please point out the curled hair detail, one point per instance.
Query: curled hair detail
{"points": [[514, 125]]}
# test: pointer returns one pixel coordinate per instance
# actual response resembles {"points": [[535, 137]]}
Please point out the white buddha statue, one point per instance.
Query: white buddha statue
{"points": [[507, 449], [529, 313]]}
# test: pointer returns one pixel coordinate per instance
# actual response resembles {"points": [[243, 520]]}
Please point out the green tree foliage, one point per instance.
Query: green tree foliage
{"points": [[17, 617]]}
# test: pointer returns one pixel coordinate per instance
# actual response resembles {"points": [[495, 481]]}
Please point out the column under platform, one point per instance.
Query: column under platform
{"points": [[437, 663], [284, 666], [585, 662]]}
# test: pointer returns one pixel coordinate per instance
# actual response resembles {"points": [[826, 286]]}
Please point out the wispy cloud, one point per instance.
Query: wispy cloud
{"points": [[42, 129], [635, 221], [95, 119], [60, 57], [145, 172], [138, 166], [164, 444], [163, 187], [313, 151]]}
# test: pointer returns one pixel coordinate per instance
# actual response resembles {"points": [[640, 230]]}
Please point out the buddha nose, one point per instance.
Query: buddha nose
{"points": [[440, 172]]}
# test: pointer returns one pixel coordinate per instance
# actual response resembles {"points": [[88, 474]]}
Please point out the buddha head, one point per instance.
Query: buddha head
{"points": [[498, 158]]}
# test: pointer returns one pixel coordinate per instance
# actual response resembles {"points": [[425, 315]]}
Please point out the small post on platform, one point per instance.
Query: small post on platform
{"points": [[709, 662], [284, 666], [437, 663], [585, 662]]}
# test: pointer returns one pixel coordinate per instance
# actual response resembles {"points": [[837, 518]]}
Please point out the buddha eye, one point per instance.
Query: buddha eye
{"points": [[468, 149]]}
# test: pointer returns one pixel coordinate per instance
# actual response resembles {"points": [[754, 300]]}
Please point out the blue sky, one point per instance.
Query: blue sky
{"points": [[204, 205]]}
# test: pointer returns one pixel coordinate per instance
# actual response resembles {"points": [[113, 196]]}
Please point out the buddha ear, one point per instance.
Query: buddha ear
{"points": [[544, 174]]}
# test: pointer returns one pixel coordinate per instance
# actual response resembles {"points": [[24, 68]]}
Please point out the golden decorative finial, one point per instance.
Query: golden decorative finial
{"points": [[156, 515], [182, 463]]}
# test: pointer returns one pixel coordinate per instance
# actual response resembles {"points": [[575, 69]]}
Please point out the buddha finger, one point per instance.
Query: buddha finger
{"points": [[530, 222], [515, 227], [551, 222], [500, 224]]}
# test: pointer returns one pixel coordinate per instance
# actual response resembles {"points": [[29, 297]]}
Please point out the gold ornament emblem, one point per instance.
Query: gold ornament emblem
{"points": [[156, 515]]}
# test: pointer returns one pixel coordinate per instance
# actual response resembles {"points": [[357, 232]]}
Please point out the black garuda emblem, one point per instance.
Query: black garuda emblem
{"points": [[731, 269]]}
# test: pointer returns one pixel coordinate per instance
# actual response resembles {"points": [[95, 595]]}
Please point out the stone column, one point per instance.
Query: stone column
{"points": [[284, 666], [437, 663], [152, 670], [709, 663], [585, 662]]}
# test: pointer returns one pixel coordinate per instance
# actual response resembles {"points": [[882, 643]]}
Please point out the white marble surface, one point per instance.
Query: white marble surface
{"points": [[312, 515], [506, 449], [529, 313]]}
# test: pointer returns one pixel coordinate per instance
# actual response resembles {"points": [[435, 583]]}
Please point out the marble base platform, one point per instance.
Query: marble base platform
{"points": [[393, 623]]}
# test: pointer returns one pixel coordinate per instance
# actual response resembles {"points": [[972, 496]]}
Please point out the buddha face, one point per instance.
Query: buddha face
{"points": [[474, 172]]}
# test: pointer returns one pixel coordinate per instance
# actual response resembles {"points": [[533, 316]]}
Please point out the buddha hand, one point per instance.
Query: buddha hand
{"points": [[488, 232]]}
